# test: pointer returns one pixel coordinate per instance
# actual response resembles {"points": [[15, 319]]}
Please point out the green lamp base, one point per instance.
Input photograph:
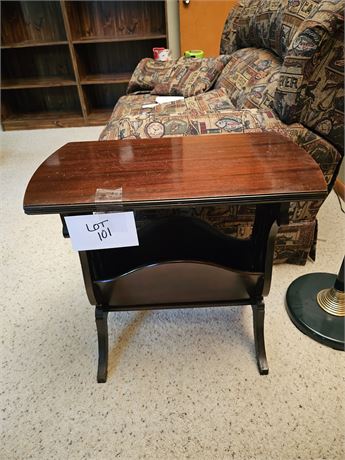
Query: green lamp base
{"points": [[308, 316]]}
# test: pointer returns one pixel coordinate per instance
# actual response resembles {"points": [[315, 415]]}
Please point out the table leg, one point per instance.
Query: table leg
{"points": [[102, 333], [258, 322]]}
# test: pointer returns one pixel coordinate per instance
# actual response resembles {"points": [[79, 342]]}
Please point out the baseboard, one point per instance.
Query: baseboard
{"points": [[339, 188]]}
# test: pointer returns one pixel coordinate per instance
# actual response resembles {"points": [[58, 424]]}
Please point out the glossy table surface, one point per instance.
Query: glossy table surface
{"points": [[238, 168]]}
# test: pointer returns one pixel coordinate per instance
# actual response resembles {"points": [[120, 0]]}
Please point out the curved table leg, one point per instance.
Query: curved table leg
{"points": [[102, 333], [258, 322]]}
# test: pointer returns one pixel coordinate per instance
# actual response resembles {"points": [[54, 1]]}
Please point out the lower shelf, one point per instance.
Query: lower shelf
{"points": [[43, 120], [179, 282], [180, 259], [106, 78], [41, 108], [98, 116], [39, 120], [37, 82]]}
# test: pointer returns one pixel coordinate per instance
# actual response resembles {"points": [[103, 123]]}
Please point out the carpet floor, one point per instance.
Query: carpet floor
{"points": [[182, 384]]}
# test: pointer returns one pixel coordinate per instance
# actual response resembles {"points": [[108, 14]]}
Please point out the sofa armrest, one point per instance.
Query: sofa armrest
{"points": [[322, 151]]}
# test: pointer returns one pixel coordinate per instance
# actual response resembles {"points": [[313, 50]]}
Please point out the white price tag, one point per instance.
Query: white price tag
{"points": [[102, 231]]}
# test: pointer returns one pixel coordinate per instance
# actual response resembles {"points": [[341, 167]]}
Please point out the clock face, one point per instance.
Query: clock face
{"points": [[155, 129]]}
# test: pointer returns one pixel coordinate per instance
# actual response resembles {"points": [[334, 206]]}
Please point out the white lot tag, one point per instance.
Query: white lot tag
{"points": [[102, 231]]}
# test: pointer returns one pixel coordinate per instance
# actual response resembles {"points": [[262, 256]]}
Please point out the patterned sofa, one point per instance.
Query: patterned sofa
{"points": [[281, 69]]}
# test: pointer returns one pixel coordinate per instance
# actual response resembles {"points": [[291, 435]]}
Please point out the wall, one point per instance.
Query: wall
{"points": [[173, 20]]}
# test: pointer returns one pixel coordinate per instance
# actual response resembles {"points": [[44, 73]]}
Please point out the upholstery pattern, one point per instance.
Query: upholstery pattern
{"points": [[311, 87], [269, 24], [161, 121], [134, 104], [190, 76], [308, 35], [251, 77], [148, 73], [228, 42], [215, 100], [183, 77]]}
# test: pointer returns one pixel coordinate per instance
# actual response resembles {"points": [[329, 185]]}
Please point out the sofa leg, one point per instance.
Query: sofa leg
{"points": [[258, 322], [102, 333]]}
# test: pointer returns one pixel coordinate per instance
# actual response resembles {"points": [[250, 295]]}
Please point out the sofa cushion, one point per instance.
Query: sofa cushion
{"points": [[190, 77], [214, 101], [251, 77], [148, 73], [133, 104], [183, 77]]}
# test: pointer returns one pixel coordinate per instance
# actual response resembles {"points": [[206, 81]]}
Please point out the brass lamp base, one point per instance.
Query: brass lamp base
{"points": [[332, 301]]}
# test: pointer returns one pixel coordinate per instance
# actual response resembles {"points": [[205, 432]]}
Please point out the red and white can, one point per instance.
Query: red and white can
{"points": [[161, 54]]}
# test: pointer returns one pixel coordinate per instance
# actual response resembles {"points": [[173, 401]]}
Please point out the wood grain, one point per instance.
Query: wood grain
{"points": [[31, 101], [33, 43], [38, 63], [96, 19], [23, 22], [40, 120], [125, 38], [66, 19], [46, 82], [103, 96], [80, 82], [169, 171], [102, 78], [113, 58]]}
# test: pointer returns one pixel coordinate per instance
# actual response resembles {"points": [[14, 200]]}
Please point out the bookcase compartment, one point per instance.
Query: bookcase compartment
{"points": [[23, 23], [116, 19], [101, 100], [27, 107], [115, 61], [37, 66]]}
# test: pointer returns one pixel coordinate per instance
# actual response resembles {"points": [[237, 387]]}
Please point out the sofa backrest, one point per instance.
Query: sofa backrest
{"points": [[308, 36], [311, 84], [269, 24]]}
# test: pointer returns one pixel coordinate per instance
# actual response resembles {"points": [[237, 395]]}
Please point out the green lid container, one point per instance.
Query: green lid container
{"points": [[194, 53]]}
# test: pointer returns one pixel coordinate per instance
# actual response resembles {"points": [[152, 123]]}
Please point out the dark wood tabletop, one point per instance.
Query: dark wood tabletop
{"points": [[238, 168]]}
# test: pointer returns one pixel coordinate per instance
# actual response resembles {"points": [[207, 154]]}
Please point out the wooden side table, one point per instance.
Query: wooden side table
{"points": [[180, 261]]}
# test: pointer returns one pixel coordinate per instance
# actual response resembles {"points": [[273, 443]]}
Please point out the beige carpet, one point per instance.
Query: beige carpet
{"points": [[182, 384]]}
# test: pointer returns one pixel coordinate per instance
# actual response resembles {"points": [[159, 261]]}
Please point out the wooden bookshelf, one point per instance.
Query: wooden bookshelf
{"points": [[126, 38], [105, 78], [66, 63], [46, 82], [30, 43]]}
